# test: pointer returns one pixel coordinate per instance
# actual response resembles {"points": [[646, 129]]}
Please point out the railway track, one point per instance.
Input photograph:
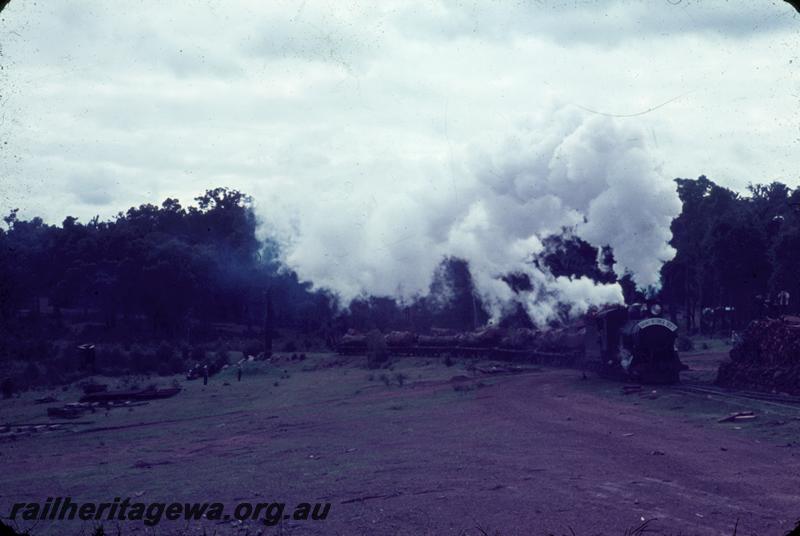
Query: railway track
{"points": [[522, 355], [571, 360], [706, 390]]}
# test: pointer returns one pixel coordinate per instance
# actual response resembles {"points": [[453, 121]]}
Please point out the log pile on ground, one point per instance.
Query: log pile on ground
{"points": [[74, 410], [102, 398], [766, 358], [150, 393], [13, 431]]}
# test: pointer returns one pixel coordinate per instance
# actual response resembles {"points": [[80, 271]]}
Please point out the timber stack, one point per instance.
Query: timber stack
{"points": [[766, 358]]}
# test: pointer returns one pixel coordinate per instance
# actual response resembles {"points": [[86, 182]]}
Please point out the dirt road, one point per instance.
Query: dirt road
{"points": [[535, 453]]}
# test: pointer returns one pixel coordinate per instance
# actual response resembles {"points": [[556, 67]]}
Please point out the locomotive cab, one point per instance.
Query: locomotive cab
{"points": [[603, 339]]}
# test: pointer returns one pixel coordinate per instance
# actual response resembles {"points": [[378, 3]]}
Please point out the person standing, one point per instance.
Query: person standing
{"points": [[205, 374], [783, 302]]}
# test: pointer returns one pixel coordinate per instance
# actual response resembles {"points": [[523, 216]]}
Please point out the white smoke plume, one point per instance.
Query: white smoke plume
{"points": [[384, 234]]}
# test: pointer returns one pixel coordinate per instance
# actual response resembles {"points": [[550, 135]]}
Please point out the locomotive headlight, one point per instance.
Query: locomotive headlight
{"points": [[655, 309]]}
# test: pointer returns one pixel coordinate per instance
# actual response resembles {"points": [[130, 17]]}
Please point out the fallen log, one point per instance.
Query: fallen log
{"points": [[739, 416], [146, 394], [66, 412]]}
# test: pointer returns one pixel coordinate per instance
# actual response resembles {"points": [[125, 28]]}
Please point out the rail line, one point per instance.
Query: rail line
{"points": [[777, 400], [570, 360]]}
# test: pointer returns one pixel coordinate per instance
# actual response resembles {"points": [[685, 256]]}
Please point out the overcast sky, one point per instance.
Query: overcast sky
{"points": [[109, 104]]}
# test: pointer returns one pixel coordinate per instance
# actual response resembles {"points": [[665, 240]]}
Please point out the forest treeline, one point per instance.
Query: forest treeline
{"points": [[175, 273], [733, 250], [159, 287]]}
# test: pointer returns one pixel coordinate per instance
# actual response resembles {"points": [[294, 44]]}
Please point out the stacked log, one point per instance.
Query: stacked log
{"points": [[353, 336], [566, 338], [401, 339], [438, 340], [766, 358], [482, 338], [520, 338], [353, 343]]}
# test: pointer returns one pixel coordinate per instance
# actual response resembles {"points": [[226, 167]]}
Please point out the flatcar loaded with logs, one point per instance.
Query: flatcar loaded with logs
{"points": [[618, 342], [559, 346]]}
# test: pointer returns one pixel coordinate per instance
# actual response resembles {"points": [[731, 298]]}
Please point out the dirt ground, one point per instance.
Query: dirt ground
{"points": [[451, 451]]}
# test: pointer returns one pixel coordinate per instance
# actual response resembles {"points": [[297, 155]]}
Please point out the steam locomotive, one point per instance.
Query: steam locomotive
{"points": [[633, 343]]}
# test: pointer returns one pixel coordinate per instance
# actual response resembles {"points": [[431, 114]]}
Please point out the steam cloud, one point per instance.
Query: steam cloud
{"points": [[493, 208]]}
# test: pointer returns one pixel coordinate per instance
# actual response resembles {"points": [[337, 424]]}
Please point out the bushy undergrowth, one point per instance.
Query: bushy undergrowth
{"points": [[57, 363]]}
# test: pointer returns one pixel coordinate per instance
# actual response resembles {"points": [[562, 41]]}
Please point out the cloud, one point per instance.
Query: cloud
{"points": [[95, 191], [603, 22]]}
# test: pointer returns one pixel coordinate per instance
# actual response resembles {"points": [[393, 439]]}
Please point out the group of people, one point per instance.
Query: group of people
{"points": [[715, 319], [777, 305], [724, 318], [204, 372]]}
